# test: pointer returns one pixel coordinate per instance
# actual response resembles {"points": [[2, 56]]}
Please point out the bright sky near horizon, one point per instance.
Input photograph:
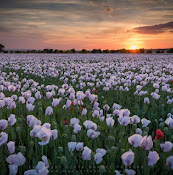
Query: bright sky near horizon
{"points": [[79, 24]]}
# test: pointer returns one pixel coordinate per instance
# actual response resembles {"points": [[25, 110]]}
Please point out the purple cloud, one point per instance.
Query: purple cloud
{"points": [[155, 29]]}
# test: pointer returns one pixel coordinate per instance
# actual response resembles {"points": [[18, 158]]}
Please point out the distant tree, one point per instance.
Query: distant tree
{"points": [[68, 51], [96, 51], [60, 51], [123, 51], [106, 51], [1, 47], [45, 50], [158, 51], [113, 51], [28, 51], [55, 51], [50, 51], [83, 51], [73, 50], [149, 51], [33, 51], [18, 51], [170, 50], [141, 50]]}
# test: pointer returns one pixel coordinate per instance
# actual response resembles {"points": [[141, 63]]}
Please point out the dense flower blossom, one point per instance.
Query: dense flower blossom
{"points": [[90, 125], [11, 119], [135, 140], [145, 122], [3, 124], [49, 111], [74, 121], [92, 133], [153, 157], [30, 107], [11, 147], [169, 122], [128, 158], [146, 143], [159, 133], [79, 146], [65, 122], [72, 146], [86, 154], [16, 159], [166, 147], [110, 121], [3, 138], [135, 119], [169, 161], [40, 169]]}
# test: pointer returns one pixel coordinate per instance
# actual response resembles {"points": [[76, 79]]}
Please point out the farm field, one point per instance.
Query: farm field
{"points": [[86, 114]]}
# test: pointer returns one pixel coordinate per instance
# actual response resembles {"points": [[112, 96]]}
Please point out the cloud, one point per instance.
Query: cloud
{"points": [[155, 29]]}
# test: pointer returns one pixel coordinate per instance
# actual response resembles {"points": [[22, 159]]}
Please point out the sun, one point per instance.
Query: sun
{"points": [[133, 47]]}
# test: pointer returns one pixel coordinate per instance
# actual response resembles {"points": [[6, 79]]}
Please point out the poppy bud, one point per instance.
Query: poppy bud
{"points": [[22, 149], [65, 136], [114, 149], [145, 133], [63, 160], [99, 128], [39, 104], [102, 169], [40, 110], [19, 120], [120, 143], [135, 126], [31, 144], [156, 121], [161, 125], [122, 151], [146, 129], [166, 129], [111, 138], [73, 138], [71, 154], [66, 127], [60, 149], [18, 130]]}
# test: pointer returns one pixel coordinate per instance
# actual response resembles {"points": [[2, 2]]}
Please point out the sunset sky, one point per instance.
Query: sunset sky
{"points": [[67, 24]]}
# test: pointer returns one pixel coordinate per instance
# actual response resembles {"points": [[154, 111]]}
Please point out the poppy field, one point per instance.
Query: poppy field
{"points": [[86, 114]]}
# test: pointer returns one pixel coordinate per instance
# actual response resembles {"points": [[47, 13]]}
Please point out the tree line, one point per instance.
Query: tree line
{"points": [[2, 50]]}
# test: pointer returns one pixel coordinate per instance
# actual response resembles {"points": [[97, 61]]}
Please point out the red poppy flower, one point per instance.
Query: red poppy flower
{"points": [[72, 108], [65, 122], [160, 133], [157, 137], [72, 103], [82, 108], [172, 82], [95, 90]]}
